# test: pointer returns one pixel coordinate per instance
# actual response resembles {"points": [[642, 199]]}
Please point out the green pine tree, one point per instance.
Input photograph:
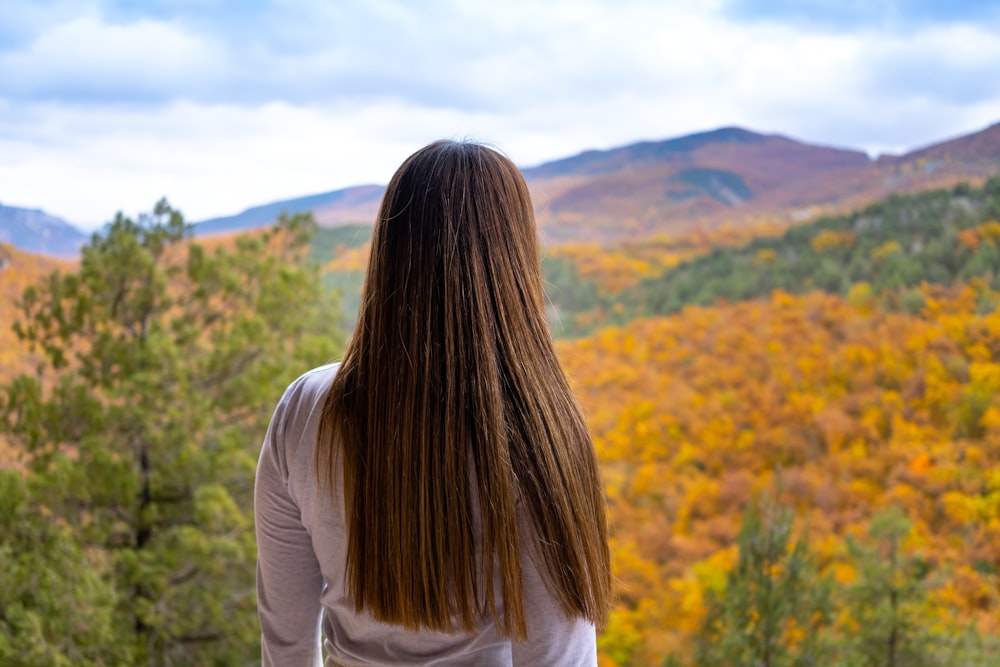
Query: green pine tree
{"points": [[56, 605], [889, 606], [161, 363], [775, 605]]}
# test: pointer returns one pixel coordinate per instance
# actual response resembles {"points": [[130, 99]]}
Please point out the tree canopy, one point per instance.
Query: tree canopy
{"points": [[159, 361]]}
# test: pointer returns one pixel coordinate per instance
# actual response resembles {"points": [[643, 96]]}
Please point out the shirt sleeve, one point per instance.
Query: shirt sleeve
{"points": [[289, 579], [553, 639]]}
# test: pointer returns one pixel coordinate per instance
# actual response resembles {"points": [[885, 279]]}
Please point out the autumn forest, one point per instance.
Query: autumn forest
{"points": [[799, 428]]}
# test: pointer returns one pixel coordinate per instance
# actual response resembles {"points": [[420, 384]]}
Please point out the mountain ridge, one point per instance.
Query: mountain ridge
{"points": [[645, 152], [35, 231], [726, 176], [357, 196]]}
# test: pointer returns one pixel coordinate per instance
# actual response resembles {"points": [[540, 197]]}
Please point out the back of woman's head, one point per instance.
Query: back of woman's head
{"points": [[454, 247], [450, 392]]}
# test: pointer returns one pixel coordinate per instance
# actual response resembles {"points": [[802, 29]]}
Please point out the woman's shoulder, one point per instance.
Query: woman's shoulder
{"points": [[310, 387], [296, 417], [321, 376], [294, 424]]}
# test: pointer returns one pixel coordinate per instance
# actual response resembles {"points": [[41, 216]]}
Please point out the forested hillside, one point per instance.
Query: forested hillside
{"points": [[890, 247], [847, 369], [841, 412], [937, 237]]}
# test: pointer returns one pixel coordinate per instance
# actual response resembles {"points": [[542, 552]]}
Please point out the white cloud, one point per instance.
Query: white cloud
{"points": [[87, 59], [107, 111]]}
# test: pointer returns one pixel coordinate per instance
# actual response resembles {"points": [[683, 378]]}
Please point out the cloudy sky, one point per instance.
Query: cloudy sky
{"points": [[219, 105]]}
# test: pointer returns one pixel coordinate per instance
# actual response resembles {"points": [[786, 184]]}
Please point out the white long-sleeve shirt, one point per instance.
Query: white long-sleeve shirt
{"points": [[301, 587]]}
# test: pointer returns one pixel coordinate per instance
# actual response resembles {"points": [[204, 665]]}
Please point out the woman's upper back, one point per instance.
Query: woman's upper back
{"points": [[287, 486]]}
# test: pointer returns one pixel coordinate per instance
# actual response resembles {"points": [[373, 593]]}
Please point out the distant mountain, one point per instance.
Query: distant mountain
{"points": [[642, 187], [732, 176], [979, 148], [35, 231], [354, 204], [695, 179], [595, 162], [727, 176]]}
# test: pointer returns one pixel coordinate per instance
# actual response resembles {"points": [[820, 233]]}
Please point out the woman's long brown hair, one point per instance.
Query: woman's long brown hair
{"points": [[451, 414]]}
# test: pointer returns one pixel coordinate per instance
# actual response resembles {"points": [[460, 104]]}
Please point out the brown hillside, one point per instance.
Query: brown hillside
{"points": [[360, 204], [972, 158], [677, 184], [710, 182], [980, 148], [733, 176]]}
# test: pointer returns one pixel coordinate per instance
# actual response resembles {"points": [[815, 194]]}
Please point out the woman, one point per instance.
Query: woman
{"points": [[435, 497]]}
